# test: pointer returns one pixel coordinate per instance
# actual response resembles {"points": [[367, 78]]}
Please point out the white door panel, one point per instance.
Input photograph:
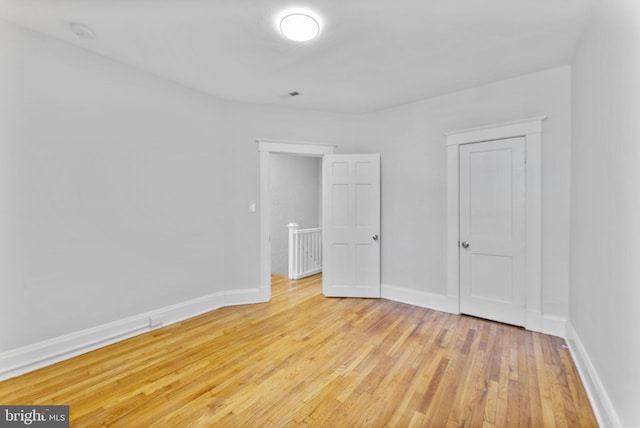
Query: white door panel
{"points": [[351, 225], [492, 228]]}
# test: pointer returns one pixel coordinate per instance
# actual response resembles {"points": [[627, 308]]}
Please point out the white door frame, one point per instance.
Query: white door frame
{"points": [[266, 148], [531, 130]]}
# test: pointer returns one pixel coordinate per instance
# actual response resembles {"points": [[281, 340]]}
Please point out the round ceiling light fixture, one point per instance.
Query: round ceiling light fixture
{"points": [[300, 27]]}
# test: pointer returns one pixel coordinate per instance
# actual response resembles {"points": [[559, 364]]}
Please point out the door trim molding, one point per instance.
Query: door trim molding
{"points": [[531, 130], [266, 147]]}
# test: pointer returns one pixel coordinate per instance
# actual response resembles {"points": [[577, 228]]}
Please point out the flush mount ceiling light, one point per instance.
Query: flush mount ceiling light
{"points": [[300, 27]]}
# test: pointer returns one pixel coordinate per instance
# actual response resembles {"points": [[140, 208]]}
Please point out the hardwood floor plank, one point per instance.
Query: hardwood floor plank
{"points": [[534, 386], [307, 360]]}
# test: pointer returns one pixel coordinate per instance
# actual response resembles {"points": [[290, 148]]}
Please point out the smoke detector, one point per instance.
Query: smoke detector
{"points": [[82, 31]]}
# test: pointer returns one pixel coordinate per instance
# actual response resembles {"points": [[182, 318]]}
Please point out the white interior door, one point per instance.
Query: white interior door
{"points": [[351, 225], [492, 230]]}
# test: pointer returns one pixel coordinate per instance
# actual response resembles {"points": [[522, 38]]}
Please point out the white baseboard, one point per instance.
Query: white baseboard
{"points": [[554, 325], [32, 357], [424, 299], [243, 297], [600, 401]]}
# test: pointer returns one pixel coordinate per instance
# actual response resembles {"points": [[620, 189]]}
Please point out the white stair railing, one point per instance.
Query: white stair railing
{"points": [[305, 251]]}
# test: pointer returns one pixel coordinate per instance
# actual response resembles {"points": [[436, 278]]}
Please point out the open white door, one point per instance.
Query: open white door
{"points": [[492, 230], [351, 225]]}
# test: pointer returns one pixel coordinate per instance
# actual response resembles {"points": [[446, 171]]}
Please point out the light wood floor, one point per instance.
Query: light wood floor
{"points": [[307, 360]]}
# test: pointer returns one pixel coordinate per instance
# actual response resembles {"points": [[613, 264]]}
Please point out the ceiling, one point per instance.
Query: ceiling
{"points": [[371, 54]]}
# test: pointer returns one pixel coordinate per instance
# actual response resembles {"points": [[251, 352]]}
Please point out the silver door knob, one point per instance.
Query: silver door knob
{"points": [[465, 244], [375, 237]]}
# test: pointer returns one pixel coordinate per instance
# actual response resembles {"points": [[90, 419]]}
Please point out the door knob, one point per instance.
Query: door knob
{"points": [[375, 237], [465, 244]]}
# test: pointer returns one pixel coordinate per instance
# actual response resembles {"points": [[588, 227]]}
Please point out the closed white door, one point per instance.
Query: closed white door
{"points": [[492, 230], [351, 225]]}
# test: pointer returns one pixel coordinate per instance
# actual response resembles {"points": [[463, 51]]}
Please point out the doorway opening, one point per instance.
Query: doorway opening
{"points": [[296, 215], [268, 150]]}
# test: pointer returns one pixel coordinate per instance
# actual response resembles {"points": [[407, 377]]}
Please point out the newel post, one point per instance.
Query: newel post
{"points": [[293, 227]]}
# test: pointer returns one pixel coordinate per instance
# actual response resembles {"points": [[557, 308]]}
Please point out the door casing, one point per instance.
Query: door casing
{"points": [[531, 130]]}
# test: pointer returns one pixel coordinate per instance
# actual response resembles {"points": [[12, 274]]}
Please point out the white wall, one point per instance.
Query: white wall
{"points": [[112, 184], [412, 143], [605, 208], [295, 197]]}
